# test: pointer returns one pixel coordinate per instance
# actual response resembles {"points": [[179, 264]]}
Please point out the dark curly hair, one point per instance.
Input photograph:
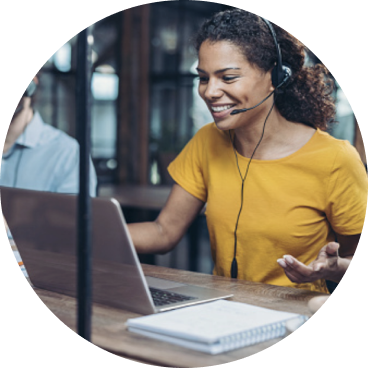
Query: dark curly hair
{"points": [[307, 97]]}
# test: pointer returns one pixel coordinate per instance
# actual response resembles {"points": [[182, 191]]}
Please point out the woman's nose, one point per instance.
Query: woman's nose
{"points": [[213, 90]]}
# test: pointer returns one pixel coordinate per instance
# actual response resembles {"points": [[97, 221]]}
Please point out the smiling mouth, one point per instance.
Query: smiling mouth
{"points": [[221, 108]]}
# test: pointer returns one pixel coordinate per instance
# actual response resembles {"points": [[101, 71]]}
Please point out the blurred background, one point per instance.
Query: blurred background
{"points": [[145, 108]]}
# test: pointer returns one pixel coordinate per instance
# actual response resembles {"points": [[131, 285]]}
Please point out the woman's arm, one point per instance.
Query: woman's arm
{"points": [[331, 263], [161, 235]]}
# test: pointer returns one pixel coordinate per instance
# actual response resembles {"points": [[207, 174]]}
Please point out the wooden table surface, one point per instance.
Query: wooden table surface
{"points": [[110, 333]]}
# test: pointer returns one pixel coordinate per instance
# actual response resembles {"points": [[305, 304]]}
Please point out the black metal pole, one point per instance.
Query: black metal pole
{"points": [[84, 249]]}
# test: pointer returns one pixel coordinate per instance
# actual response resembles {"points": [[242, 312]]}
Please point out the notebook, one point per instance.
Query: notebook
{"points": [[44, 228], [215, 327]]}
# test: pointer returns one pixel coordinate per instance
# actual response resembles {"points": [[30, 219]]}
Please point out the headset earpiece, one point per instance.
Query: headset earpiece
{"points": [[281, 73], [280, 78], [31, 89]]}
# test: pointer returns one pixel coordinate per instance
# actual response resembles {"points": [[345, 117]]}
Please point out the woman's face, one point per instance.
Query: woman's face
{"points": [[228, 82]]}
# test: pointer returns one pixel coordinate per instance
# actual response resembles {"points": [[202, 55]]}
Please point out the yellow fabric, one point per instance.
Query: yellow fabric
{"points": [[291, 205]]}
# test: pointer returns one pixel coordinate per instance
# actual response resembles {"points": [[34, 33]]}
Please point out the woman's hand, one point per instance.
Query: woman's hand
{"points": [[328, 265]]}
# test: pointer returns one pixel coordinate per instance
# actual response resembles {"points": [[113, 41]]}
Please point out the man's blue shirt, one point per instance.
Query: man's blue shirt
{"points": [[44, 158]]}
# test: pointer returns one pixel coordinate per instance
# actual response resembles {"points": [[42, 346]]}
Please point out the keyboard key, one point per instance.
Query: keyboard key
{"points": [[164, 297]]}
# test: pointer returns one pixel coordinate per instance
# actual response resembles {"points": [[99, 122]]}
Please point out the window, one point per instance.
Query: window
{"points": [[56, 96], [176, 111]]}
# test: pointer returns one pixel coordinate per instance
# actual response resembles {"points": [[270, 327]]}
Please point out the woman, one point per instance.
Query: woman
{"points": [[279, 191]]}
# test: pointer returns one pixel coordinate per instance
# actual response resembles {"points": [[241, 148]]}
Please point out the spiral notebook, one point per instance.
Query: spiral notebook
{"points": [[215, 327]]}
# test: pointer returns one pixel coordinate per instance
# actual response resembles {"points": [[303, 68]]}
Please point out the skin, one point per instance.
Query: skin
{"points": [[17, 125], [19, 121], [228, 80], [331, 263], [315, 303]]}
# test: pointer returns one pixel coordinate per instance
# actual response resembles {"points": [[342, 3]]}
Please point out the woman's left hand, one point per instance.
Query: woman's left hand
{"points": [[325, 266]]}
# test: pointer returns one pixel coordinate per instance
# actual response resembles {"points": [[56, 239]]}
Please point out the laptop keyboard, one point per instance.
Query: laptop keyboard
{"points": [[164, 297]]}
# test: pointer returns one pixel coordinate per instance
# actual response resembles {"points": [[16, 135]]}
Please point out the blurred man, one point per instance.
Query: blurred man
{"points": [[38, 156]]}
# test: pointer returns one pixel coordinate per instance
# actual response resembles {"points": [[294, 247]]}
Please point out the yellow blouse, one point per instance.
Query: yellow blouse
{"points": [[293, 205]]}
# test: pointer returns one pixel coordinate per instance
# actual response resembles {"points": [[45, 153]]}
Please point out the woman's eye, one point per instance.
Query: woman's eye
{"points": [[225, 78], [202, 79], [228, 78]]}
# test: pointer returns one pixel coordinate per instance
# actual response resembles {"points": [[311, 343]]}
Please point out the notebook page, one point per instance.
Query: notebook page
{"points": [[210, 322]]}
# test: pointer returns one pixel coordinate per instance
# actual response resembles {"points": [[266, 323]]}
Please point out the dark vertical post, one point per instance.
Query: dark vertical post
{"points": [[84, 252]]}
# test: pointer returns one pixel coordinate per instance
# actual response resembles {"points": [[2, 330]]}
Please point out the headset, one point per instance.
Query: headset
{"points": [[31, 89], [280, 75], [29, 92]]}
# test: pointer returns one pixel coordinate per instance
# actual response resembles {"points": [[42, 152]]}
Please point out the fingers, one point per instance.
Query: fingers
{"points": [[329, 250], [320, 268], [298, 272], [292, 264], [332, 249]]}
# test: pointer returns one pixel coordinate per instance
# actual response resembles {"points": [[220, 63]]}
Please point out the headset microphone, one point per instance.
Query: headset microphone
{"points": [[234, 112], [287, 75]]}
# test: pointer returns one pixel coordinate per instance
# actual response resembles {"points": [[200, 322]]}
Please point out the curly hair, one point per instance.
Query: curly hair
{"points": [[307, 97]]}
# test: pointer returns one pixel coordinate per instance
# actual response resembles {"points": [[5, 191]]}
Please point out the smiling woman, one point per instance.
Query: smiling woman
{"points": [[274, 182], [237, 85], [307, 98]]}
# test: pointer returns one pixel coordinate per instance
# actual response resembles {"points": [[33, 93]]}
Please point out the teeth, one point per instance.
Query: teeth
{"points": [[220, 108]]}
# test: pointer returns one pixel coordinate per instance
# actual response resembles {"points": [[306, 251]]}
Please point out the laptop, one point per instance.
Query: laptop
{"points": [[44, 228]]}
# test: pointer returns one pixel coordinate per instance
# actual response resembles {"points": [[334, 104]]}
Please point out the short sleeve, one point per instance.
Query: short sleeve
{"points": [[347, 192], [67, 180], [187, 168]]}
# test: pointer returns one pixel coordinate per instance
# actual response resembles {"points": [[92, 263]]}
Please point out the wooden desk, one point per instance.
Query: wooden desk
{"points": [[109, 331]]}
